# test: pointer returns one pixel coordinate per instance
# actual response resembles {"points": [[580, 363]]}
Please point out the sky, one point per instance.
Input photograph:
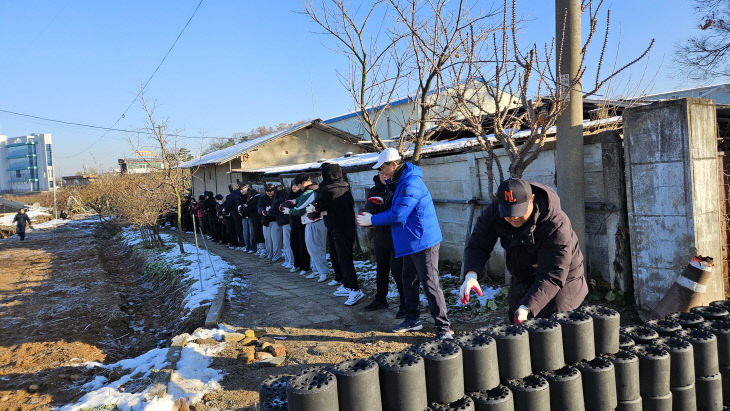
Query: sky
{"points": [[238, 65]]}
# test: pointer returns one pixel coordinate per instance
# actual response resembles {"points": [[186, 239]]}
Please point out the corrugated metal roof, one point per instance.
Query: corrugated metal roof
{"points": [[230, 153], [430, 149]]}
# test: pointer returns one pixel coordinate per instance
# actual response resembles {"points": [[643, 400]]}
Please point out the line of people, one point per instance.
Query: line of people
{"points": [[295, 225]]}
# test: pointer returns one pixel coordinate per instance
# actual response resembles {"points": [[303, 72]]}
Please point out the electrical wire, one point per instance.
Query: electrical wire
{"points": [[144, 86], [108, 129]]}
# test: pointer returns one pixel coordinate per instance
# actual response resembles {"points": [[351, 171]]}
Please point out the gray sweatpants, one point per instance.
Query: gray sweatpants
{"points": [[286, 244], [276, 239], [267, 240], [315, 236]]}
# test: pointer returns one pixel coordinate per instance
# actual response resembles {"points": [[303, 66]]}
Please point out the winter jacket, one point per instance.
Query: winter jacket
{"points": [[295, 221], [335, 197], [233, 199], [382, 235], [543, 256], [300, 209], [199, 210], [281, 218], [265, 201], [21, 220], [412, 215], [252, 205]]}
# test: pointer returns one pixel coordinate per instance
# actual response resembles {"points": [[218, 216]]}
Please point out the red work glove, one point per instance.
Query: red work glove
{"points": [[281, 208], [376, 200], [521, 315], [292, 203]]}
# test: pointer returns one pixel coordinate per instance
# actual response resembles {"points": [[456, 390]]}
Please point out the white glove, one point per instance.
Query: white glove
{"points": [[286, 210], [364, 219], [521, 315], [268, 209], [470, 282], [311, 209]]}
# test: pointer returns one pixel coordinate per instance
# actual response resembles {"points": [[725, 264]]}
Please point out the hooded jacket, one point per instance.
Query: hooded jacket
{"points": [[233, 199], [252, 204], [383, 237], [412, 215], [279, 199], [543, 255], [265, 201], [335, 197]]}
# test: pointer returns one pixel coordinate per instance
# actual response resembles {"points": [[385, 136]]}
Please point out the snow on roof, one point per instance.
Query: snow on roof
{"points": [[434, 148], [229, 153]]}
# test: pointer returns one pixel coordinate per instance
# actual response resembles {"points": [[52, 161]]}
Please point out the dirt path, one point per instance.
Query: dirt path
{"points": [[68, 296], [315, 326]]}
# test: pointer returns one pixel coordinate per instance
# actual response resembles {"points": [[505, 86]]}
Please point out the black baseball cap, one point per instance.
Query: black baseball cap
{"points": [[514, 196]]}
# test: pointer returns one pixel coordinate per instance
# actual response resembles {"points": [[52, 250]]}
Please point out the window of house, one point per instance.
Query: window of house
{"points": [[17, 173]]}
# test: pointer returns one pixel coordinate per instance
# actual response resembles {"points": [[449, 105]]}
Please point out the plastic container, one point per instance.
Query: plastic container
{"points": [[358, 385], [654, 371], [681, 353], [513, 351], [531, 393], [497, 399], [463, 404], [685, 319], [578, 339], [606, 323], [481, 365], [546, 344], [711, 313], [664, 327], [566, 389], [626, 368], [313, 391], [599, 384], [640, 334], [402, 381], [704, 343], [444, 371]]}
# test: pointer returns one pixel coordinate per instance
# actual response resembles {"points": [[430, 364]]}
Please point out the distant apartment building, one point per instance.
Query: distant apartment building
{"points": [[26, 163], [143, 162]]}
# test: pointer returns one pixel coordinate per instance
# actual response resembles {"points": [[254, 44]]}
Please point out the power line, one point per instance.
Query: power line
{"points": [[131, 103], [108, 129]]}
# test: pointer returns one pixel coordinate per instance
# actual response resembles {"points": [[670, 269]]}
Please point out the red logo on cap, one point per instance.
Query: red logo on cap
{"points": [[508, 197]]}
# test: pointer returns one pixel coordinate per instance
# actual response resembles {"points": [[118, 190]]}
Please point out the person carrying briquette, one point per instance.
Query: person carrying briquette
{"points": [[378, 201], [20, 220], [315, 233], [541, 251], [416, 238], [335, 200]]}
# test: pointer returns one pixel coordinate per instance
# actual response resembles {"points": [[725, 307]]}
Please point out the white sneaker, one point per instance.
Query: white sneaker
{"points": [[333, 282], [302, 272], [311, 275], [293, 269], [341, 291], [322, 278], [251, 251], [285, 264], [354, 297]]}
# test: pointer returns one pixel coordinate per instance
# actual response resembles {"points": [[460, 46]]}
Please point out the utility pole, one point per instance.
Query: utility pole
{"points": [[569, 142], [53, 170]]}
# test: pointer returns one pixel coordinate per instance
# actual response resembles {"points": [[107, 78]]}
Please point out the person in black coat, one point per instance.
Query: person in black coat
{"points": [[20, 220], [211, 217], [387, 264], [282, 220], [297, 241], [264, 208], [233, 200], [541, 251], [254, 219], [335, 199]]}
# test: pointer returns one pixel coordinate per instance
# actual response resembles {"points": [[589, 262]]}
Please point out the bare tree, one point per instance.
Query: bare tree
{"points": [[707, 54], [520, 90], [175, 179]]}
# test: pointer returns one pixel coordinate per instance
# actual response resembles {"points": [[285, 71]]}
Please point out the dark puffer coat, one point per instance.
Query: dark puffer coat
{"points": [[543, 256], [381, 234], [334, 197]]}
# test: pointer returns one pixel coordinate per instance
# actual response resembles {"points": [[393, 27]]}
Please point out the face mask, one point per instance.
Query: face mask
{"points": [[220, 202]]}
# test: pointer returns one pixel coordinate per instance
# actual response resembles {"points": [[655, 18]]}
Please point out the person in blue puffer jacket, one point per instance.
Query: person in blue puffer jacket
{"points": [[416, 237]]}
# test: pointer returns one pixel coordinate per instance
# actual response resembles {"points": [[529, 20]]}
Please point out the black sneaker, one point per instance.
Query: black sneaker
{"points": [[376, 305], [408, 325], [401, 313]]}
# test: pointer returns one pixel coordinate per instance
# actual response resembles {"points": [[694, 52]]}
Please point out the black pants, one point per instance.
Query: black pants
{"points": [[423, 267], [343, 243], [238, 227], [20, 230], [387, 264], [333, 255], [299, 247]]}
